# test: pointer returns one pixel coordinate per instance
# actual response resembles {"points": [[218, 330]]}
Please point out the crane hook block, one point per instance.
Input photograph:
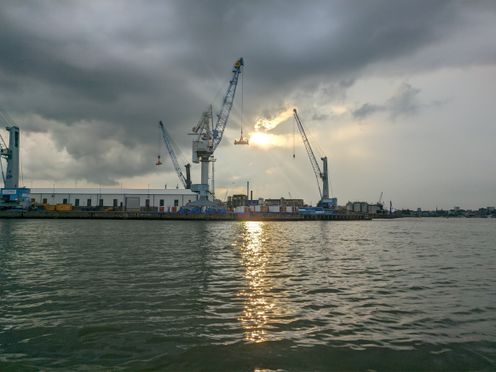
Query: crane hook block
{"points": [[241, 141]]}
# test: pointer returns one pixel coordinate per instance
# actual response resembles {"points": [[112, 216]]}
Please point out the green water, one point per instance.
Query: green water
{"points": [[416, 294]]}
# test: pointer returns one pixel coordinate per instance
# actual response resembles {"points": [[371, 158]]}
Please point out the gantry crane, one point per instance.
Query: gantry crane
{"points": [[186, 181], [208, 136], [325, 201]]}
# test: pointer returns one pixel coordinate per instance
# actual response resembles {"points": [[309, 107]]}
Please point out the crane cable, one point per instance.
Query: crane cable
{"points": [[294, 139], [1, 169]]}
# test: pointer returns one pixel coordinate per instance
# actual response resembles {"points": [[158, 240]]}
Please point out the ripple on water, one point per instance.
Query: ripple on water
{"points": [[230, 295]]}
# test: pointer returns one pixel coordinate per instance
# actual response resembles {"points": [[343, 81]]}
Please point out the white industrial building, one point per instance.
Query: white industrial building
{"points": [[364, 207], [123, 199]]}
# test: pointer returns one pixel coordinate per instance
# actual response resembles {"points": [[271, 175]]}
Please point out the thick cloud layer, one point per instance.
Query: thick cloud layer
{"points": [[93, 78], [403, 102]]}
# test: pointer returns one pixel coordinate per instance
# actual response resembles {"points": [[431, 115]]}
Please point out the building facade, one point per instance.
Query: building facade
{"points": [[117, 199]]}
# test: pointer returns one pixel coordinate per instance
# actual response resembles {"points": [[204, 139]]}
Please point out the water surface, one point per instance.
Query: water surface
{"points": [[318, 295]]}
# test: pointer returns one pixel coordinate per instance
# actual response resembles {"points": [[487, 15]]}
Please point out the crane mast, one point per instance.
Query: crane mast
{"points": [[11, 195], [319, 174], [186, 181], [208, 136], [11, 154]]}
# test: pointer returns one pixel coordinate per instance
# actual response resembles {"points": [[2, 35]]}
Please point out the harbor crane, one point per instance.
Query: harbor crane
{"points": [[12, 195], [379, 202], [186, 181], [11, 154], [325, 201], [208, 136]]}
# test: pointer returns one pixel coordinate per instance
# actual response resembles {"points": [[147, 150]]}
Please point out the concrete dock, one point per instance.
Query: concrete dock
{"points": [[122, 215]]}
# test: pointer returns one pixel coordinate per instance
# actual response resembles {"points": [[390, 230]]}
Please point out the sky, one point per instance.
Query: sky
{"points": [[399, 95]]}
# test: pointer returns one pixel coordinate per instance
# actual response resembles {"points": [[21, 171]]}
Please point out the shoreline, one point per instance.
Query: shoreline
{"points": [[120, 215]]}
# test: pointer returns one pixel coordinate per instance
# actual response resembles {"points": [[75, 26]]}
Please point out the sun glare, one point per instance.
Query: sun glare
{"points": [[260, 139], [266, 140]]}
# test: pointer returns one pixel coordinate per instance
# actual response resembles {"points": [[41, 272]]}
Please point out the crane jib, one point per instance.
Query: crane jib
{"points": [[168, 144], [319, 174]]}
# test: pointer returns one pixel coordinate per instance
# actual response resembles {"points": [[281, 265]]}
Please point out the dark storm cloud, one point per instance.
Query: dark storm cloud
{"points": [[367, 109], [404, 102], [124, 65]]}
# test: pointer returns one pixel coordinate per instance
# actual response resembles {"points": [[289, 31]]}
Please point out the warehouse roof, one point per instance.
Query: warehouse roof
{"points": [[101, 191]]}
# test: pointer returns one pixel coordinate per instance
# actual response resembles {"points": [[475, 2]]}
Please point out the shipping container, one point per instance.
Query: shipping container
{"points": [[63, 207], [241, 209]]}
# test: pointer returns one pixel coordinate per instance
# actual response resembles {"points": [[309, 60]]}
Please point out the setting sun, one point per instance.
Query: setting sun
{"points": [[268, 140], [260, 139]]}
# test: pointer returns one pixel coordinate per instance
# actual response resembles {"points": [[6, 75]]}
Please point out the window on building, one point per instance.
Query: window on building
{"points": [[162, 203], [64, 201], [88, 203], [76, 203], [115, 203], [176, 203], [147, 203], [100, 203], [45, 200]]}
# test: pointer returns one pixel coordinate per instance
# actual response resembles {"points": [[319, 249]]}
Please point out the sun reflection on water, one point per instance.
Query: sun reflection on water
{"points": [[258, 306]]}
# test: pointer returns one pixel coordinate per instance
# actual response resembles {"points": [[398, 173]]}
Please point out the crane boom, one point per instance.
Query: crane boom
{"points": [[227, 104], [186, 181], [313, 160]]}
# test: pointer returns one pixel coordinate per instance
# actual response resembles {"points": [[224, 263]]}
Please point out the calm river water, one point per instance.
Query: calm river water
{"points": [[407, 294]]}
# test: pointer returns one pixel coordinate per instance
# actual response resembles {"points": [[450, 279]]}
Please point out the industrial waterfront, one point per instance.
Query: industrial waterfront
{"points": [[404, 294], [196, 199], [250, 186]]}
